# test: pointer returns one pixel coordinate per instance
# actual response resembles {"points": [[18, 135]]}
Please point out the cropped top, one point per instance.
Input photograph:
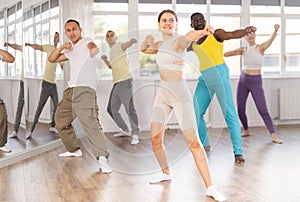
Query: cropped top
{"points": [[166, 57], [209, 52], [252, 58]]}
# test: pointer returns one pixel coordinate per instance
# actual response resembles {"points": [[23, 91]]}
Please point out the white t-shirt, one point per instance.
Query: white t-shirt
{"points": [[82, 65]]}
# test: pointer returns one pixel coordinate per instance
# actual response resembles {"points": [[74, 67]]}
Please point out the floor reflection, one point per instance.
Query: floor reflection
{"points": [[41, 136]]}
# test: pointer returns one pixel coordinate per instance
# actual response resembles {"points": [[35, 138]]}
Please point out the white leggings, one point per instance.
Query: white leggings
{"points": [[177, 96]]}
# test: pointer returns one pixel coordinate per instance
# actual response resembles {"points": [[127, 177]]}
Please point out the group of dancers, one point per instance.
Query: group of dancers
{"points": [[80, 99]]}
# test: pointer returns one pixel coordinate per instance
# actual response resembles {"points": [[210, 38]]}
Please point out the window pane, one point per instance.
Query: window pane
{"points": [[103, 23], [265, 28], [291, 10], [143, 7], [19, 41], [148, 25], [225, 8], [29, 53], [191, 8], [264, 9], [38, 54], [111, 7], [229, 24], [292, 47]]}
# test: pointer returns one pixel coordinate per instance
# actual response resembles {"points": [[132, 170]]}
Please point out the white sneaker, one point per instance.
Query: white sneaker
{"points": [[104, 167], [28, 135], [53, 129], [14, 134], [76, 153], [122, 134], [213, 192], [161, 178], [5, 149], [135, 139]]}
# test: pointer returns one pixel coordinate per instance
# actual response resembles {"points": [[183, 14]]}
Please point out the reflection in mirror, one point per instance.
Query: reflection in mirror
{"points": [[41, 37], [11, 74]]}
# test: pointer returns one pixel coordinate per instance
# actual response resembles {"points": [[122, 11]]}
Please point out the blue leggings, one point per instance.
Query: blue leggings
{"points": [[215, 80], [253, 84]]}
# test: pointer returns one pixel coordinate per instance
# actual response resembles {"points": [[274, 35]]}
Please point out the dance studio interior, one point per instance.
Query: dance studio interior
{"points": [[33, 170]]}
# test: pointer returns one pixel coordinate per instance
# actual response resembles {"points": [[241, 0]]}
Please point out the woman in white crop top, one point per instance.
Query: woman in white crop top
{"points": [[251, 81], [174, 94]]}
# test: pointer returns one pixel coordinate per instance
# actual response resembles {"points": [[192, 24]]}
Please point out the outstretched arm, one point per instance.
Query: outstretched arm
{"points": [[148, 45], [222, 35], [184, 42], [6, 56], [13, 45], [35, 46], [267, 44], [105, 59], [128, 44], [57, 56], [238, 51]]}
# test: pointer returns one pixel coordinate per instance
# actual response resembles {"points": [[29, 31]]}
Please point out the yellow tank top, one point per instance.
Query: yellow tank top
{"points": [[210, 52]]}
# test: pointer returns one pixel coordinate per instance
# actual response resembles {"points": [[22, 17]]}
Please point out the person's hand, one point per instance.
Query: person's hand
{"points": [[6, 44], [149, 40], [276, 27], [67, 45], [133, 40], [104, 57], [208, 29], [27, 44], [94, 51], [250, 30]]}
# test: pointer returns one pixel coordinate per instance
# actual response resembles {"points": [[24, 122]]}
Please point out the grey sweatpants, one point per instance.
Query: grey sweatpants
{"points": [[122, 93], [20, 107], [48, 90], [80, 102]]}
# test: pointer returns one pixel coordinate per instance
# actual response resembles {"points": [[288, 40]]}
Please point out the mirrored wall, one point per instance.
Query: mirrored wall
{"points": [[29, 30]]}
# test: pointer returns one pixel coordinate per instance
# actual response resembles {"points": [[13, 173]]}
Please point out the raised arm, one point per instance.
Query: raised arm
{"points": [[35, 46], [238, 51], [57, 56], [6, 56], [13, 45], [267, 44], [128, 44], [148, 46], [222, 35]]}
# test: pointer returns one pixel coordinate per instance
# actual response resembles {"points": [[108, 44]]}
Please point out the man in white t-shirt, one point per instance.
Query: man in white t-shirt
{"points": [[80, 99], [5, 57]]}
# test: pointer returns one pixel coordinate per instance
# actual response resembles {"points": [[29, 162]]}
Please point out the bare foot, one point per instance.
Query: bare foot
{"points": [[275, 139], [246, 133]]}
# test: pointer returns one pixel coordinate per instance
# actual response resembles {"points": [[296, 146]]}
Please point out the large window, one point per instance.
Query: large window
{"points": [[11, 31], [282, 56], [265, 28], [292, 56], [109, 16], [39, 25]]}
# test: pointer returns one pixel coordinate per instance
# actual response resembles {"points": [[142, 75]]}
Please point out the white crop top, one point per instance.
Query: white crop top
{"points": [[252, 58], [166, 57]]}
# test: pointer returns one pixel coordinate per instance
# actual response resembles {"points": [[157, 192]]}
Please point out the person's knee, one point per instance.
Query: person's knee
{"points": [[157, 142], [197, 148]]}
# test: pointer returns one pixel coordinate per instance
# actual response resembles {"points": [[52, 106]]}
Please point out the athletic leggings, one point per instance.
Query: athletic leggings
{"points": [[252, 83]]}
